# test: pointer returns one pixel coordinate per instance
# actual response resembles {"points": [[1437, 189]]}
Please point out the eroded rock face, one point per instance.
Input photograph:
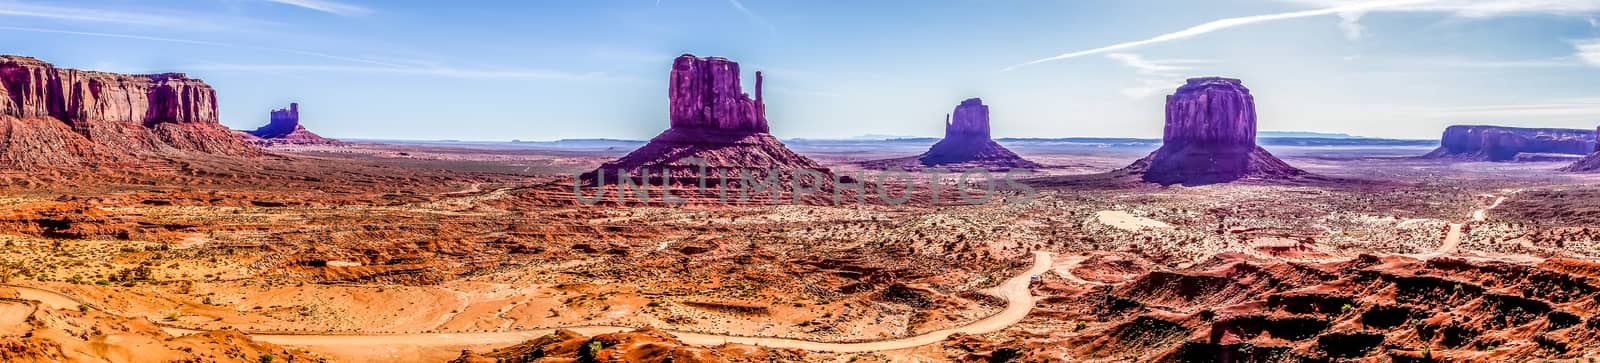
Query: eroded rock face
{"points": [[712, 120], [284, 128], [35, 89], [1210, 137], [54, 117], [967, 142], [1499, 143], [705, 93]]}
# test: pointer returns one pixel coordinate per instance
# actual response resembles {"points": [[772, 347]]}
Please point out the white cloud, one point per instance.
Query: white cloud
{"points": [[331, 7], [1216, 25], [1588, 51]]}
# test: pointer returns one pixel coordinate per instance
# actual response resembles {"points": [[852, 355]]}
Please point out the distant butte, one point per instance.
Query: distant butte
{"points": [[967, 142], [65, 118], [284, 128], [1589, 164], [1210, 138], [711, 119], [1499, 143]]}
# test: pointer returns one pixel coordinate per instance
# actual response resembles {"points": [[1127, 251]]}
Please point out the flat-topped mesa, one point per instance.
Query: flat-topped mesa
{"points": [[1499, 143], [705, 93], [35, 89], [1210, 137], [62, 118], [1213, 111], [967, 143]]}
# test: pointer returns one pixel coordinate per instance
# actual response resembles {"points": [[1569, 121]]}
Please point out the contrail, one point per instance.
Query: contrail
{"points": [[1220, 25]]}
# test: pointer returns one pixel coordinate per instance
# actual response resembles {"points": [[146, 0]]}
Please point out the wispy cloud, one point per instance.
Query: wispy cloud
{"points": [[1216, 25], [1350, 22], [1588, 50], [739, 5], [79, 14], [448, 72], [1156, 75], [1471, 8], [201, 42], [1581, 110], [331, 7]]}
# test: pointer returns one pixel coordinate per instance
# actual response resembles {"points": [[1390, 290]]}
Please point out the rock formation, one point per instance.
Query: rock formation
{"points": [[711, 119], [284, 128], [52, 117], [1588, 164], [1210, 137], [967, 143], [1498, 143]]}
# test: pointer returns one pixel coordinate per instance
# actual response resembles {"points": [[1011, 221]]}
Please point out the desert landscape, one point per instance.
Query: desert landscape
{"points": [[272, 181], [204, 244]]}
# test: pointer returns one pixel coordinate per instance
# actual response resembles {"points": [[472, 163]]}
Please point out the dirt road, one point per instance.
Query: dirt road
{"points": [[434, 347]]}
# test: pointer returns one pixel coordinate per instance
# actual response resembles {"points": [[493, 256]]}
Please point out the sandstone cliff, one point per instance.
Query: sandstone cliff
{"points": [[53, 117], [1210, 137], [705, 93], [1498, 143], [712, 119], [967, 142]]}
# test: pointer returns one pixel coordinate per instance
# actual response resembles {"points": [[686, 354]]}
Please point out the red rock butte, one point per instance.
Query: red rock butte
{"points": [[967, 142], [1210, 137], [61, 118], [711, 119], [284, 128]]}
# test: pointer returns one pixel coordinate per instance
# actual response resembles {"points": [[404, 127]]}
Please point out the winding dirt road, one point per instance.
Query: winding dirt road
{"points": [[432, 346]]}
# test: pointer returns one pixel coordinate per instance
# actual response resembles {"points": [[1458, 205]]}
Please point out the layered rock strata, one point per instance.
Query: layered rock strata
{"points": [[1499, 143], [967, 142], [54, 117], [1210, 137], [713, 120]]}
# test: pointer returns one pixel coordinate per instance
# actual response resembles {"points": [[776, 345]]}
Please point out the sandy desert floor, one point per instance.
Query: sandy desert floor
{"points": [[414, 252]]}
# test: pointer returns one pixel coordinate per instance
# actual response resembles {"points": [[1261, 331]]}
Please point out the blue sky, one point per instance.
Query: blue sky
{"points": [[543, 70]]}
